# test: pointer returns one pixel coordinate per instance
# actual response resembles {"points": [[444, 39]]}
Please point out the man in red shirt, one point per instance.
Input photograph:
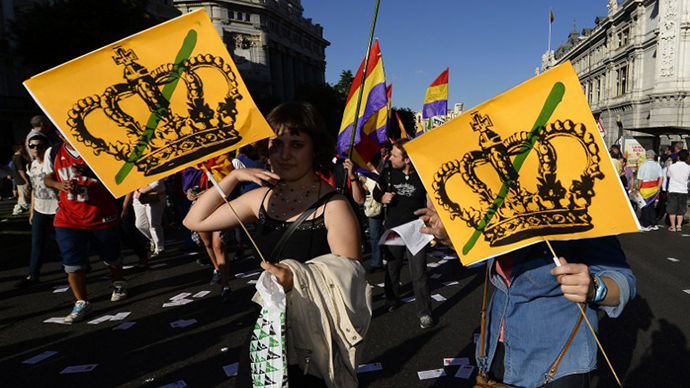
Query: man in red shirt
{"points": [[86, 214]]}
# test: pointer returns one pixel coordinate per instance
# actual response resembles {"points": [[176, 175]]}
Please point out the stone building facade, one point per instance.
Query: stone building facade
{"points": [[275, 48], [634, 67]]}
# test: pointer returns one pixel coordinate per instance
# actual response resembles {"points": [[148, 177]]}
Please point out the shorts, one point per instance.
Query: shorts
{"points": [[677, 203], [74, 246]]}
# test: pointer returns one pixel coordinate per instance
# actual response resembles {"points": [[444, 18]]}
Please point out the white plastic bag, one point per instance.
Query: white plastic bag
{"points": [[267, 350]]}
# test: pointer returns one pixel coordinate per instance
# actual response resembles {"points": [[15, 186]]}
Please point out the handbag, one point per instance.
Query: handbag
{"points": [[483, 380], [372, 208], [149, 198]]}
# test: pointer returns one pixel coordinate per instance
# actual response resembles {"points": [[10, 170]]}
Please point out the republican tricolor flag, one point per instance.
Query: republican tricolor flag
{"points": [[370, 133], [436, 100]]}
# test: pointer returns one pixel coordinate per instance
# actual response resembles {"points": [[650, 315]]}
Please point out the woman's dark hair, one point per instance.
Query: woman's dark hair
{"points": [[302, 117]]}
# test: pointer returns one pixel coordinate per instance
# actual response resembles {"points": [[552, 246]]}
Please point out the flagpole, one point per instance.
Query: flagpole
{"points": [[361, 85], [550, 22]]}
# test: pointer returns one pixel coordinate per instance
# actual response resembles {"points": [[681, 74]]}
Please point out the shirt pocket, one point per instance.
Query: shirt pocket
{"points": [[540, 276]]}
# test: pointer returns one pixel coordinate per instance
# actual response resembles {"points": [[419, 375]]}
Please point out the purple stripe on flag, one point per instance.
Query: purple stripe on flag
{"points": [[376, 100], [436, 108]]}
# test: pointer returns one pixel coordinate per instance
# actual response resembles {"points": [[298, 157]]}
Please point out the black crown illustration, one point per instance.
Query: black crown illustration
{"points": [[179, 137], [550, 209]]}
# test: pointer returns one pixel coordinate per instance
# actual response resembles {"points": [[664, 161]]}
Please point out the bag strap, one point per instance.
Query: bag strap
{"points": [[482, 335], [554, 367], [278, 248]]}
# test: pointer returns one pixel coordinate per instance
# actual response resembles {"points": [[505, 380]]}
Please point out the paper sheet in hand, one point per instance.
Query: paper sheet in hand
{"points": [[431, 374], [409, 233], [40, 357]]}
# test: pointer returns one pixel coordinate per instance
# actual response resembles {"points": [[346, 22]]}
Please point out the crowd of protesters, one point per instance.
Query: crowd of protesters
{"points": [[294, 184], [658, 186]]}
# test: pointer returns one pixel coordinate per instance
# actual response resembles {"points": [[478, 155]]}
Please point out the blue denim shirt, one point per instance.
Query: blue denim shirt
{"points": [[539, 320]]}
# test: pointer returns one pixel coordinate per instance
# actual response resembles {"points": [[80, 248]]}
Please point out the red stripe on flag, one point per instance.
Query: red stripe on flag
{"points": [[374, 57], [441, 79]]}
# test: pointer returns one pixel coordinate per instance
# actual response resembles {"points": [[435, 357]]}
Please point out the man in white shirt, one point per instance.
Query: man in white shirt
{"points": [[648, 183], [678, 176]]}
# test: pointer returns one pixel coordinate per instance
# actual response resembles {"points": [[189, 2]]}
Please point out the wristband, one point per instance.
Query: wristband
{"points": [[600, 288], [353, 179]]}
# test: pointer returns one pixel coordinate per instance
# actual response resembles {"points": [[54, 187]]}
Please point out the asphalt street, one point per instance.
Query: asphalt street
{"points": [[647, 345]]}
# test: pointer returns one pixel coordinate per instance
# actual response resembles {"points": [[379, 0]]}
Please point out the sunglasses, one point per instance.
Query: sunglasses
{"points": [[32, 146]]}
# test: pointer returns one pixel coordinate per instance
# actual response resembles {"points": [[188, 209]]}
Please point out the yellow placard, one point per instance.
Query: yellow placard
{"points": [[525, 166], [151, 104]]}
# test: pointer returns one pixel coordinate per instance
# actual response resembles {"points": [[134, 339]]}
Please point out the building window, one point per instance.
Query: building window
{"points": [[239, 16], [589, 92], [622, 81], [246, 17], [623, 37], [231, 15]]}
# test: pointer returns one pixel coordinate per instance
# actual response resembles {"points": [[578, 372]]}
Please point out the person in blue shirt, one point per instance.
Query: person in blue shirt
{"points": [[531, 314]]}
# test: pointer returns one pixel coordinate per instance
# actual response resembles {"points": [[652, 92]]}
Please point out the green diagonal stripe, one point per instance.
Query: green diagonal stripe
{"points": [[555, 97], [152, 123]]}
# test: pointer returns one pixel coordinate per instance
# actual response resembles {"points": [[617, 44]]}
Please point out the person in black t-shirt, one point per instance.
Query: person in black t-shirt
{"points": [[401, 190]]}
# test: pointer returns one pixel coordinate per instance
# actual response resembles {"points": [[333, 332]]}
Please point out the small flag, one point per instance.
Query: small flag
{"points": [[436, 100], [403, 131], [551, 16]]}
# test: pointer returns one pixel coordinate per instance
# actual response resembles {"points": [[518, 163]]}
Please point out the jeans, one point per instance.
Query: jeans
{"points": [[41, 227], [420, 282], [374, 236]]}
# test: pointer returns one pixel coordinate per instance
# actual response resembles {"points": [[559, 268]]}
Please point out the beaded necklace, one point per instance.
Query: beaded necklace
{"points": [[294, 198]]}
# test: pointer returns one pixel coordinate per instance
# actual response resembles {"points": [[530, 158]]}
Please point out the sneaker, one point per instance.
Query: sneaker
{"points": [[119, 291], [392, 305], [25, 282], [81, 308], [425, 322], [654, 227], [157, 254], [215, 279], [225, 294]]}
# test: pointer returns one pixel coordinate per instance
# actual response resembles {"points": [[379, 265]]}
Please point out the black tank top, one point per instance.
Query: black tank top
{"points": [[308, 241]]}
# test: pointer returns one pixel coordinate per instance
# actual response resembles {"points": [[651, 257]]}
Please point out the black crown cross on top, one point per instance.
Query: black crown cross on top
{"points": [[180, 137], [553, 208]]}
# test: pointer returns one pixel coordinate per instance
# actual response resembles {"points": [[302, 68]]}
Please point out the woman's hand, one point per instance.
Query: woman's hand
{"points": [[575, 280], [281, 271], [255, 175]]}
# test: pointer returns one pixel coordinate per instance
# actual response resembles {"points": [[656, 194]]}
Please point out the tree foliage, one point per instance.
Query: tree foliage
{"points": [[53, 33], [344, 84]]}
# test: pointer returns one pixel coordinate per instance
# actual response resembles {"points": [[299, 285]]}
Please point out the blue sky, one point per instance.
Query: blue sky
{"points": [[490, 46]]}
